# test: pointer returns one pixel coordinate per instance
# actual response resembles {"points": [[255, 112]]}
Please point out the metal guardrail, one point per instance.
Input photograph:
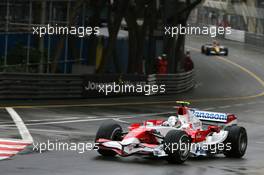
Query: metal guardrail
{"points": [[61, 86], [40, 86], [254, 39], [175, 83]]}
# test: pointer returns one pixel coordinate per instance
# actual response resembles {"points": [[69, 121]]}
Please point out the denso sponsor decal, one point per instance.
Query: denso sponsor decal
{"points": [[211, 116]]}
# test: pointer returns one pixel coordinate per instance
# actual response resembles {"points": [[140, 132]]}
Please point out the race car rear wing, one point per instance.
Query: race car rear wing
{"points": [[218, 118], [212, 118]]}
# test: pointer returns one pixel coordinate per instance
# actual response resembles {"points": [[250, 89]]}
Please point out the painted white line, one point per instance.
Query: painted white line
{"points": [[19, 141], [208, 109], [26, 136], [52, 119], [121, 121], [62, 122], [260, 142], [39, 120], [12, 146], [96, 119], [48, 131], [251, 103], [8, 152], [239, 104], [58, 131], [223, 107], [7, 122], [4, 157]]}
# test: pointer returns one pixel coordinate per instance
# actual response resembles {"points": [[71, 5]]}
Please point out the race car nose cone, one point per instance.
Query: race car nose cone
{"points": [[217, 49], [130, 141]]}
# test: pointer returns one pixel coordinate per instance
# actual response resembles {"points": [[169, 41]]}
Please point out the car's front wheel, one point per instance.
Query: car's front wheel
{"points": [[177, 146], [208, 51], [236, 142], [202, 49], [226, 52], [109, 130]]}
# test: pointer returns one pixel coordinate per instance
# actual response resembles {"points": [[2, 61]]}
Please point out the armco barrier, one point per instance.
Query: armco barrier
{"points": [[91, 84], [175, 83], [39, 86], [254, 39], [61, 86]]}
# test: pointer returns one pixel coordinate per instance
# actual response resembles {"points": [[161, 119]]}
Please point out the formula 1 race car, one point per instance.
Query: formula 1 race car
{"points": [[190, 132], [214, 49]]}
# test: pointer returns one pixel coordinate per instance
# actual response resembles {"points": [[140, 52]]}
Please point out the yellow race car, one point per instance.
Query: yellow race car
{"points": [[214, 49]]}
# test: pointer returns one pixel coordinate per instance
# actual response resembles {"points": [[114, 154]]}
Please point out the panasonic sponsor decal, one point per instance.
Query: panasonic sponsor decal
{"points": [[211, 116]]}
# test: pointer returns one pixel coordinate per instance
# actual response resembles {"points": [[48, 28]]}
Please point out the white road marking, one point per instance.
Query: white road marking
{"points": [[58, 131], [95, 119], [239, 104], [7, 122], [223, 107], [49, 131], [52, 119], [47, 119], [19, 141], [251, 103], [61, 122], [11, 146], [121, 121], [208, 109], [260, 142], [26, 136], [8, 152]]}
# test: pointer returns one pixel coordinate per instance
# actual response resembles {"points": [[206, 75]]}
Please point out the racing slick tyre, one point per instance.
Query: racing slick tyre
{"points": [[177, 146], [202, 49], [109, 130], [237, 139], [208, 51], [226, 52]]}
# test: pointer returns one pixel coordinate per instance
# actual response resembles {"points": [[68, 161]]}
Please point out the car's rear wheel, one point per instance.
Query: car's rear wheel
{"points": [[109, 130], [177, 146], [236, 142], [226, 51], [202, 49], [208, 51]]}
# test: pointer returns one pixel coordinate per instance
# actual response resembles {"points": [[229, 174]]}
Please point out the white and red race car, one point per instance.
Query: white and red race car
{"points": [[190, 132]]}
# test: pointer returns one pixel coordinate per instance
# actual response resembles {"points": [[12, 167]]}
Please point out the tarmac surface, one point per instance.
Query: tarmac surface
{"points": [[233, 84]]}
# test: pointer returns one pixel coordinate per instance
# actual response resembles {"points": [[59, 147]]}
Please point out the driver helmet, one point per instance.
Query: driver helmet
{"points": [[164, 56], [214, 42], [173, 120]]}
